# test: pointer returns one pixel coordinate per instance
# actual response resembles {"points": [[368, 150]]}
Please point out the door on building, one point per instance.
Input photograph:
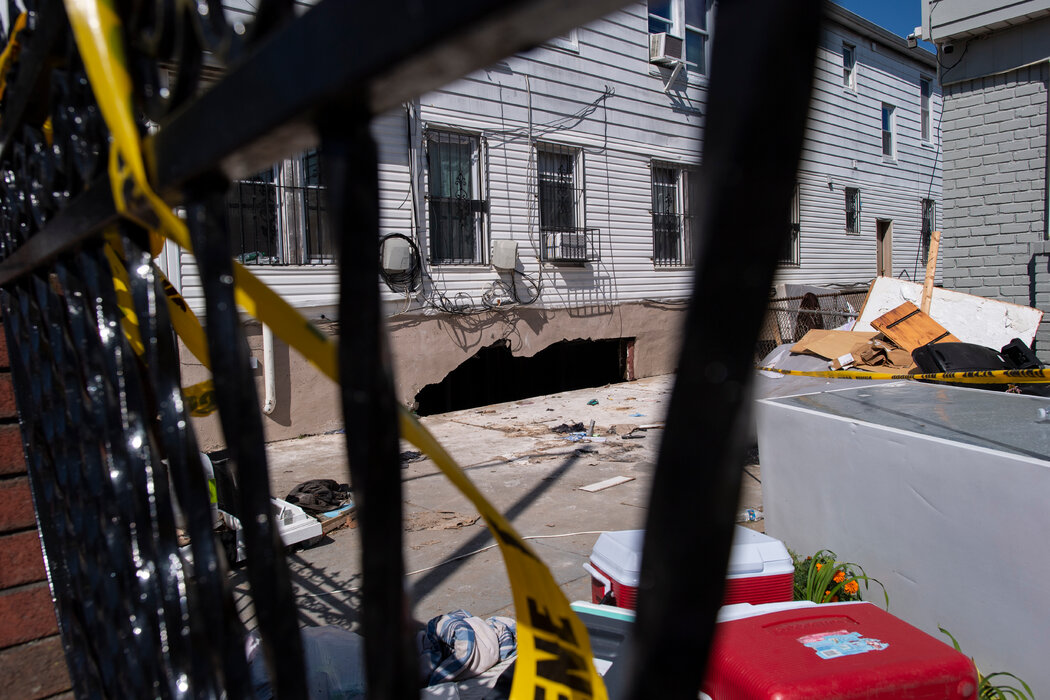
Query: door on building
{"points": [[884, 247]]}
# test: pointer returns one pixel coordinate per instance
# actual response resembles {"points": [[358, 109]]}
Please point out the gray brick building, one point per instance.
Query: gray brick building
{"points": [[994, 67]]}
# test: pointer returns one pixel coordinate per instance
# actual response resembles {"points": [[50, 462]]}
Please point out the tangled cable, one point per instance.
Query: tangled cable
{"points": [[410, 280]]}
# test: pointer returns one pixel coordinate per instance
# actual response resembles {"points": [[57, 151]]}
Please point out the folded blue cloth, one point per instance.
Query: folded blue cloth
{"points": [[458, 646]]}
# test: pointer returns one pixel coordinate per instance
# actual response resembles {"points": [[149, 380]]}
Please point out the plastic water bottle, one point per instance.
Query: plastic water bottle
{"points": [[749, 515]]}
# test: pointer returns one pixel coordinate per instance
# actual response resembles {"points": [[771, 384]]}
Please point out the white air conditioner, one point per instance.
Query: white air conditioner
{"points": [[665, 49]]}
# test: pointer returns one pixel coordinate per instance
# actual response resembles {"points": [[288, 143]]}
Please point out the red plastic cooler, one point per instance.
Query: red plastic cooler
{"points": [[760, 568], [837, 650]]}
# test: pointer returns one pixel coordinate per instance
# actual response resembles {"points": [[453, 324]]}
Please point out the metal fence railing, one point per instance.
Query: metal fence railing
{"points": [[789, 318]]}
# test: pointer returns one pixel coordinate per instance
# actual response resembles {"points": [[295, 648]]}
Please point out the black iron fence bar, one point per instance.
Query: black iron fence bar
{"points": [[676, 614], [369, 406]]}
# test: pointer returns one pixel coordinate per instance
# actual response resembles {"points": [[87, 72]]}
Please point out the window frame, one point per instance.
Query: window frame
{"points": [[573, 242], [295, 219], [791, 255], [677, 25], [475, 204], [682, 255], [853, 209], [889, 131], [926, 109], [849, 72]]}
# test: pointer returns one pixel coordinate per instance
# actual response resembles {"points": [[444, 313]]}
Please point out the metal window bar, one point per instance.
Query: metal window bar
{"points": [[852, 210], [320, 243], [560, 199], [792, 253], [278, 217], [672, 227], [457, 208]]}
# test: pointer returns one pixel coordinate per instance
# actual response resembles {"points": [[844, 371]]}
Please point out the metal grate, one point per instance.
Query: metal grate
{"points": [[458, 207], [278, 216], [672, 227]]}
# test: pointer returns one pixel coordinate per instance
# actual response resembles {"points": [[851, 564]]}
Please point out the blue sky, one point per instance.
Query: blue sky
{"points": [[899, 16]]}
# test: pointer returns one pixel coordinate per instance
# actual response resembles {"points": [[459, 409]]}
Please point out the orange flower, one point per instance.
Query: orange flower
{"points": [[839, 575], [819, 565], [851, 587]]}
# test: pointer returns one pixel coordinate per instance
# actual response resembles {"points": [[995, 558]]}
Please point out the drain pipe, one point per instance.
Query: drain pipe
{"points": [[269, 382]]}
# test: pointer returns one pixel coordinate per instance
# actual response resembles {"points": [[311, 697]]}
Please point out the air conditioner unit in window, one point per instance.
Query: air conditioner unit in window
{"points": [[665, 49]]}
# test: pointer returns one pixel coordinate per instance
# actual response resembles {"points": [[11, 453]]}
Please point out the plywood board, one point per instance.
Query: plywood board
{"points": [[910, 328], [970, 318]]}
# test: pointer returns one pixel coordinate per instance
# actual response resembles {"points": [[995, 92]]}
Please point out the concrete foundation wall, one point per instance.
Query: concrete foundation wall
{"points": [[426, 348], [995, 189]]}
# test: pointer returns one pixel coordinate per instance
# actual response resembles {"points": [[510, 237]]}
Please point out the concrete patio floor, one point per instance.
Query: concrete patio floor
{"points": [[530, 474]]}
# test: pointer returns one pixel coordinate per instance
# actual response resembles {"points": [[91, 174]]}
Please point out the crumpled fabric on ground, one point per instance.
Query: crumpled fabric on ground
{"points": [[459, 645]]}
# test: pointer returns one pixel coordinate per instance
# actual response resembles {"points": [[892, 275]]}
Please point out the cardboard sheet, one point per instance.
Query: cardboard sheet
{"points": [[831, 344]]}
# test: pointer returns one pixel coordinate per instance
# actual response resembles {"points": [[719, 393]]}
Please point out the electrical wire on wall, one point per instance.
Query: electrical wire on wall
{"points": [[497, 295]]}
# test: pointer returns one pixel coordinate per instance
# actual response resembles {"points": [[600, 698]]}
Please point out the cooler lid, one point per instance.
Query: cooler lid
{"points": [[757, 553], [619, 554]]}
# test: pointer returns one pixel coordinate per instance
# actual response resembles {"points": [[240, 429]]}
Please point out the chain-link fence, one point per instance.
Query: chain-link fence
{"points": [[789, 318]]}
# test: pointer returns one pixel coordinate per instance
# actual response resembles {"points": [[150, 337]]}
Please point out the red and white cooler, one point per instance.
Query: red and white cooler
{"points": [[837, 650], [760, 568], [615, 565]]}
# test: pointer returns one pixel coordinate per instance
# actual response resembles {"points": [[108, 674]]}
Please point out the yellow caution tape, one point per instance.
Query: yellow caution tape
{"points": [[11, 51], [200, 399], [554, 652], [999, 376]]}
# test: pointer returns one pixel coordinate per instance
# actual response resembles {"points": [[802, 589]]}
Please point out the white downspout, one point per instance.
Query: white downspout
{"points": [[269, 381]]}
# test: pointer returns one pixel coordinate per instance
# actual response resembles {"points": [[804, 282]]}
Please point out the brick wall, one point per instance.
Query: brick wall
{"points": [[994, 132], [32, 664]]}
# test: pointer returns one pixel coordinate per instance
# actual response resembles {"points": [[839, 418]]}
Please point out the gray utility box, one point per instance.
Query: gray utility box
{"points": [[942, 493]]}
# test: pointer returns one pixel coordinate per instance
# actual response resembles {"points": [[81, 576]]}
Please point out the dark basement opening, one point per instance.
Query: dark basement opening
{"points": [[494, 375]]}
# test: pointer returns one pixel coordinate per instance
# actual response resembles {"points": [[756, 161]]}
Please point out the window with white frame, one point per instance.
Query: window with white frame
{"points": [[852, 210], [279, 216], [929, 214], [849, 66], [457, 202], [889, 131], [560, 200], [688, 20], [790, 255], [925, 93], [672, 226]]}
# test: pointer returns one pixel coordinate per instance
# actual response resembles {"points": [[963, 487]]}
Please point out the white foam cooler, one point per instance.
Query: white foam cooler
{"points": [[760, 568]]}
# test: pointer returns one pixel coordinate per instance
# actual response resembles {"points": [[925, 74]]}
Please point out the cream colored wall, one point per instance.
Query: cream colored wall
{"points": [[426, 348]]}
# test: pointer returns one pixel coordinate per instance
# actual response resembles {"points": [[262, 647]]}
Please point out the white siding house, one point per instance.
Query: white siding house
{"points": [[579, 152]]}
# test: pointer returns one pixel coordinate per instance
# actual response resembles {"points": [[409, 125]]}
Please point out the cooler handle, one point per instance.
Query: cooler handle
{"points": [[600, 576]]}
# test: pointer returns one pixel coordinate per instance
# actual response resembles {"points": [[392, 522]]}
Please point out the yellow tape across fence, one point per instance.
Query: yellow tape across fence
{"points": [[999, 376], [554, 651]]}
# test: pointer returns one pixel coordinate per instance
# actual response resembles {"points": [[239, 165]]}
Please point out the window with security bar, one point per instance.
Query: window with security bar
{"points": [[277, 217], [791, 254], [852, 210], [672, 229], [929, 213], [560, 198], [458, 206]]}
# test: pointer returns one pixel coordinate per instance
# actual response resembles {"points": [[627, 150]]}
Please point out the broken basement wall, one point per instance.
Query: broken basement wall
{"points": [[426, 348]]}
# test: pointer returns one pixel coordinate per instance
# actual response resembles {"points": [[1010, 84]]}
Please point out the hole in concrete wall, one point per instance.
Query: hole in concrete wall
{"points": [[494, 375]]}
